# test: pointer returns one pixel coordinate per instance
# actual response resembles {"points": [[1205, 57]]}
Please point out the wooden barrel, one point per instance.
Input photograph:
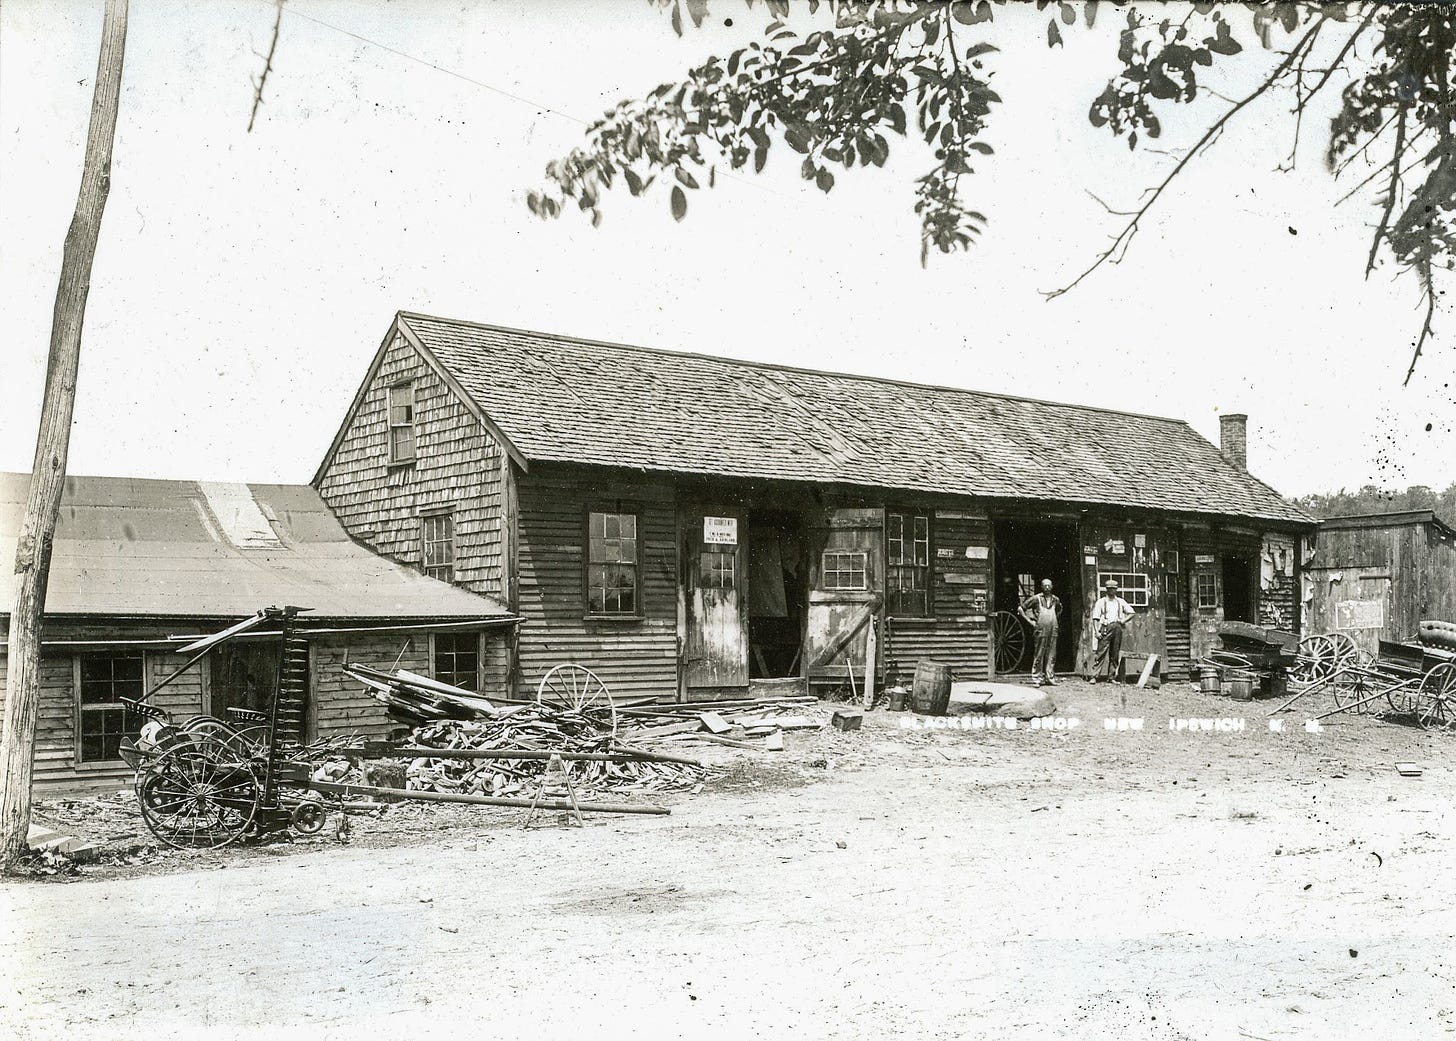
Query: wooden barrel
{"points": [[1208, 679], [930, 693], [1240, 688]]}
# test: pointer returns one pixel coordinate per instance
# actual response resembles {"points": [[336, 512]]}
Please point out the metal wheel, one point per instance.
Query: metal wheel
{"points": [[201, 795], [578, 689], [1435, 702], [244, 741], [1008, 641], [308, 817]]}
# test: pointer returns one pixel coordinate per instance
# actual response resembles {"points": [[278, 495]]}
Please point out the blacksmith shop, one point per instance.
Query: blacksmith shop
{"points": [[690, 526], [142, 568]]}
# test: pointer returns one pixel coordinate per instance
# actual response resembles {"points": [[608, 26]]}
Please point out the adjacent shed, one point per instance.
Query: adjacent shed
{"points": [[140, 565], [1377, 576], [689, 525]]}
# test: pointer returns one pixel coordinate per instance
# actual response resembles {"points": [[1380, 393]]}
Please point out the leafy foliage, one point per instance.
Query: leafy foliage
{"points": [[1372, 499], [883, 68]]}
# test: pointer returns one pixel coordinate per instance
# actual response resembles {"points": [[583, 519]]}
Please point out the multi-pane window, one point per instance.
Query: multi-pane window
{"points": [[457, 659], [437, 533], [103, 680], [402, 423], [1134, 588], [844, 570], [716, 569], [1207, 589], [612, 559], [907, 574]]}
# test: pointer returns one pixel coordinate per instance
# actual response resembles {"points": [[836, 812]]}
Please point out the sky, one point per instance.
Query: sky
{"points": [[244, 280]]}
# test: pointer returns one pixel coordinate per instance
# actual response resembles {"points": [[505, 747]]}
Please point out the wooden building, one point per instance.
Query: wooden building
{"points": [[140, 564], [686, 525], [1378, 576]]}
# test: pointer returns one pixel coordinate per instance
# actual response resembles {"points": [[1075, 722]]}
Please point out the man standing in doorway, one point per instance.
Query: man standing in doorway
{"points": [[1110, 616], [1043, 611]]}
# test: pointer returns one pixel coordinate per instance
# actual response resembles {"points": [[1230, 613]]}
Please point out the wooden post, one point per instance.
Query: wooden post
{"points": [[872, 650], [48, 472]]}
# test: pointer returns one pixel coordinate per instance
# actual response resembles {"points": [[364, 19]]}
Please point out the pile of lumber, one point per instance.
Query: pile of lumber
{"points": [[756, 723]]}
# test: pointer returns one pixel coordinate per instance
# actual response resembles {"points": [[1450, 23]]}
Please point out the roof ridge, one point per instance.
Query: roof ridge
{"points": [[802, 369]]}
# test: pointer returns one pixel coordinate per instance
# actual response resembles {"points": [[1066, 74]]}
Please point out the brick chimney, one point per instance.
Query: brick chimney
{"points": [[1233, 438]]}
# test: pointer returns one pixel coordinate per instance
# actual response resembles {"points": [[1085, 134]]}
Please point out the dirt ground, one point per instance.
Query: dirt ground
{"points": [[928, 883]]}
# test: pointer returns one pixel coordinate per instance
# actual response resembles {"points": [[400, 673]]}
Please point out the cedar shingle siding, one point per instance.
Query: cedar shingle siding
{"points": [[457, 463]]}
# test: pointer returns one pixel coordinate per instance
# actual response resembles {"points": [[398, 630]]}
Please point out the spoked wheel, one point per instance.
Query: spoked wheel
{"points": [[578, 689], [1008, 641], [1352, 692], [1321, 656], [199, 796], [247, 740], [1435, 702]]}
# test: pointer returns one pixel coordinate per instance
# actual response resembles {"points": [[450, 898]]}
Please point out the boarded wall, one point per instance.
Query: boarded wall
{"points": [[957, 634]]}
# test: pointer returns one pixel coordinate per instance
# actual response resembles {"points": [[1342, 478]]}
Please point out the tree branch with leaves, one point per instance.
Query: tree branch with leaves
{"points": [[839, 94]]}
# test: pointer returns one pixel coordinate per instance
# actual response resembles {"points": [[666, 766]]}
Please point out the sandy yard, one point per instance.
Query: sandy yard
{"points": [[1022, 883]]}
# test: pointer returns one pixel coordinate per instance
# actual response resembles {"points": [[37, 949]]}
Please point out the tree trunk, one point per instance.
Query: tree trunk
{"points": [[48, 472]]}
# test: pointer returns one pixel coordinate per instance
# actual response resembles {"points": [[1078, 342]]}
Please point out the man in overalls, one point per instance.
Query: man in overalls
{"points": [[1043, 611]]}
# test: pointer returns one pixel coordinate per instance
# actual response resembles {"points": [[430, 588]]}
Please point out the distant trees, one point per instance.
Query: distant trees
{"points": [[1371, 499]]}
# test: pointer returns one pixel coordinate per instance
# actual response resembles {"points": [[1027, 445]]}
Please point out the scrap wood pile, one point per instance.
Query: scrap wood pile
{"points": [[449, 718]]}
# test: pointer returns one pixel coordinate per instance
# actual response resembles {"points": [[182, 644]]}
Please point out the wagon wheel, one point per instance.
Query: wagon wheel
{"points": [[1008, 640], [199, 796], [1316, 659], [1352, 688], [578, 689], [1345, 650], [1435, 703]]}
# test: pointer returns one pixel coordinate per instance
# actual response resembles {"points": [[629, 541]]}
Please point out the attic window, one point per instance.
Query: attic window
{"points": [[437, 535], [402, 423]]}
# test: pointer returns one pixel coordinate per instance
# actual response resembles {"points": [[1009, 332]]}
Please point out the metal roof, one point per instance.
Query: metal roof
{"points": [[136, 547], [563, 399]]}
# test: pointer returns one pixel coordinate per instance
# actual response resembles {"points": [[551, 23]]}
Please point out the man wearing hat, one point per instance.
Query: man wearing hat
{"points": [[1110, 616]]}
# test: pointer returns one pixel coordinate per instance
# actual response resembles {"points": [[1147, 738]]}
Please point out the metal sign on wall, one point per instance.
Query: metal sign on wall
{"points": [[720, 531]]}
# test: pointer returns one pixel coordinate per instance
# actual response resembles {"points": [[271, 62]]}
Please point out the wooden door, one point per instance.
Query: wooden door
{"points": [[715, 619]]}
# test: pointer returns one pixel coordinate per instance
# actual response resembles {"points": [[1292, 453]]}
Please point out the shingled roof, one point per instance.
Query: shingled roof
{"points": [[187, 549], [563, 399]]}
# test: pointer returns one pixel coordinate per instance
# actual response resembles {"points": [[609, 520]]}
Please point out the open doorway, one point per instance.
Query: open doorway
{"points": [[1238, 589], [778, 592], [1026, 552]]}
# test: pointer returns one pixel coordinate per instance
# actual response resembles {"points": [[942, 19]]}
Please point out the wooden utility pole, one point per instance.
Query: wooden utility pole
{"points": [[48, 472]]}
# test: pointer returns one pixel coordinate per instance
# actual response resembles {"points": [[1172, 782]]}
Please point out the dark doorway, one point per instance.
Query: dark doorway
{"points": [[778, 592], [1238, 589], [244, 674], [1025, 553]]}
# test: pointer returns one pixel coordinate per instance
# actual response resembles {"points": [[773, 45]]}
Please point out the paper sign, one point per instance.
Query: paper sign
{"points": [[1115, 546], [1090, 558], [720, 531], [1360, 614], [1140, 541], [945, 554], [978, 552], [1089, 549], [1203, 558]]}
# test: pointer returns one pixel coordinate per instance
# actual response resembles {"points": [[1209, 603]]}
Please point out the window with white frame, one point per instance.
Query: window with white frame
{"points": [[437, 551], [845, 570], [1131, 586], [612, 561], [402, 423], [102, 680], [717, 568], [907, 564], [1206, 586], [457, 659]]}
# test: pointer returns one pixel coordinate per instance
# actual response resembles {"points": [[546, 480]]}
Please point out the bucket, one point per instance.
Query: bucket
{"points": [[897, 699], [1240, 688], [1208, 680], [930, 693]]}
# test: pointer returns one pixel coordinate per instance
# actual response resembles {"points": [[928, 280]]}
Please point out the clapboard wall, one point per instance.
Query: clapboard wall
{"points": [[633, 656], [957, 633]]}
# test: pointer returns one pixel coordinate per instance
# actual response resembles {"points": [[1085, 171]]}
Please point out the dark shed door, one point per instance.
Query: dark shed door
{"points": [[715, 640]]}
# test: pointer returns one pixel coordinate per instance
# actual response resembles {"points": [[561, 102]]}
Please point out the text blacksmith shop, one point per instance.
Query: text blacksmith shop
{"points": [[686, 524]]}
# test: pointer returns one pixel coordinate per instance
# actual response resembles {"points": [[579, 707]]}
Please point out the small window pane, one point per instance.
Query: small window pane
{"points": [[457, 659], [843, 570], [612, 559]]}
